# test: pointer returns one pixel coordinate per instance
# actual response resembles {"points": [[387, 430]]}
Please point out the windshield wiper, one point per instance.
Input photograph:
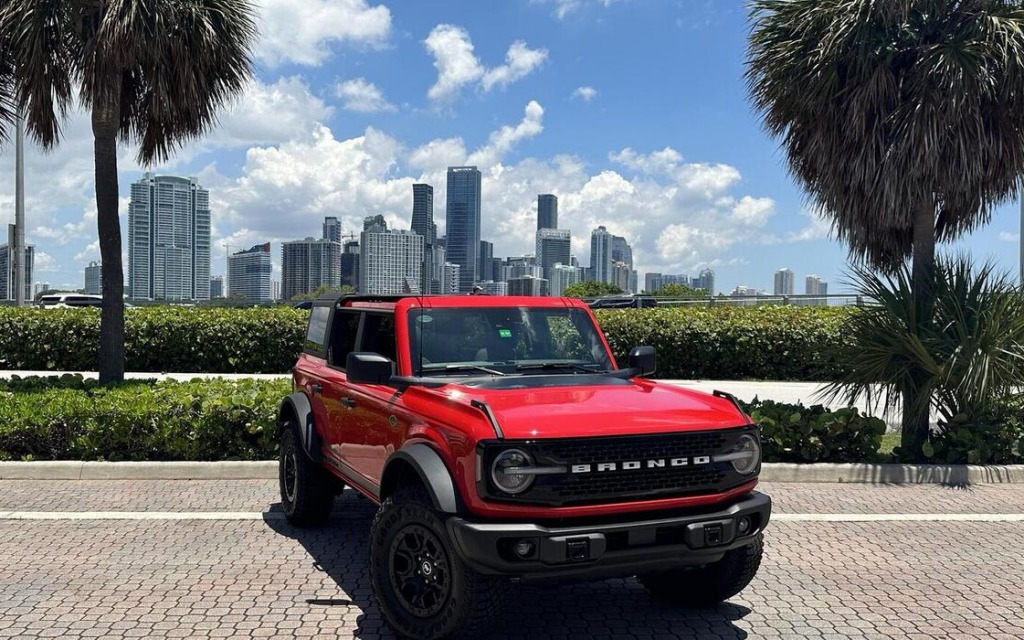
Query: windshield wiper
{"points": [[549, 366], [455, 368]]}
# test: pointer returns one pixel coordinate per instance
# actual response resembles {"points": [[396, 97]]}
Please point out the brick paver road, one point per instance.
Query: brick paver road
{"points": [[261, 578]]}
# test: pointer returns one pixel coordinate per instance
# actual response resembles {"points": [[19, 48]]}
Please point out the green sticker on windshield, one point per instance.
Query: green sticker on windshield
{"points": [[505, 333]]}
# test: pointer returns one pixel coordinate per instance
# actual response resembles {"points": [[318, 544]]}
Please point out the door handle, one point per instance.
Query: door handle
{"points": [[316, 388], [349, 402]]}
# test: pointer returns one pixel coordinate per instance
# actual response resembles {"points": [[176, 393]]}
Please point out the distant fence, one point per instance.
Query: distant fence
{"points": [[642, 301]]}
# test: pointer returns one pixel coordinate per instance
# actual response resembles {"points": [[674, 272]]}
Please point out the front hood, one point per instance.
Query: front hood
{"points": [[637, 407]]}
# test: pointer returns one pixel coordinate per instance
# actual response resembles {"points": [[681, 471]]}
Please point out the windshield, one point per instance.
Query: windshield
{"points": [[506, 339]]}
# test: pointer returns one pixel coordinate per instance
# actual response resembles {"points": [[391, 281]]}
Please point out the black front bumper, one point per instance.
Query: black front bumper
{"points": [[621, 548]]}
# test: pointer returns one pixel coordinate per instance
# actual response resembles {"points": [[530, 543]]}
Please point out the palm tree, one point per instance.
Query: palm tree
{"points": [[903, 120], [150, 72]]}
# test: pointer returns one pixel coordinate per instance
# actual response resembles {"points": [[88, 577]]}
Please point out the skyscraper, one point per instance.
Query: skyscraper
{"points": [[350, 264], [653, 281], [216, 287], [784, 280], [621, 251], [463, 223], [815, 286], [390, 262], [527, 286], [485, 262], [7, 268], [562, 276], [554, 246], [601, 255], [249, 274], [168, 239], [307, 265], [94, 279], [547, 211], [423, 212], [705, 281], [332, 229]]}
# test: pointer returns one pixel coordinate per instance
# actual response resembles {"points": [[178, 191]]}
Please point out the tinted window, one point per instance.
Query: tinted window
{"points": [[343, 337], [317, 330], [379, 335]]}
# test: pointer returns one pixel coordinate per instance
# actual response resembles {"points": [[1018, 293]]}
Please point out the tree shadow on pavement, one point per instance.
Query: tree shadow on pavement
{"points": [[606, 609]]}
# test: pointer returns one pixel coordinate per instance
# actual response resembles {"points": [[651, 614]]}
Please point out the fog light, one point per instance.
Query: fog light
{"points": [[523, 548], [743, 525]]}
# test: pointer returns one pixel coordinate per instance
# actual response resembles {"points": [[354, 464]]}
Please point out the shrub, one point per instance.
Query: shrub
{"points": [[198, 420], [995, 438], [733, 343], [795, 433]]}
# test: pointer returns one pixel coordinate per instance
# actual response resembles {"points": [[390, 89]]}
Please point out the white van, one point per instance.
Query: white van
{"points": [[65, 300]]}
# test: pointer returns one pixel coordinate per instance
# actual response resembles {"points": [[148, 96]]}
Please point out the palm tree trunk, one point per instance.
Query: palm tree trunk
{"points": [[915, 423], [105, 119]]}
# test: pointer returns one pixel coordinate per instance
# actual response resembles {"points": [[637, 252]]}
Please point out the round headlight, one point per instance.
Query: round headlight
{"points": [[747, 455], [503, 471]]}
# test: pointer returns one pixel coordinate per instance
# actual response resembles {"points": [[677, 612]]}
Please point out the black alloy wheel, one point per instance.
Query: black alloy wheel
{"points": [[420, 571]]}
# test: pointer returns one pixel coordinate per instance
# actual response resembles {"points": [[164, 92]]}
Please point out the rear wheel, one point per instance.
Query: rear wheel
{"points": [[708, 585], [422, 587], [307, 489]]}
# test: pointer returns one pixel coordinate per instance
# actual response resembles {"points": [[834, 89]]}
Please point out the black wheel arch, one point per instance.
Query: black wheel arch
{"points": [[421, 463], [297, 408]]}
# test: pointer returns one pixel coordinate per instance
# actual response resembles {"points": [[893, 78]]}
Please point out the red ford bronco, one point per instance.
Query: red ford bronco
{"points": [[504, 444]]}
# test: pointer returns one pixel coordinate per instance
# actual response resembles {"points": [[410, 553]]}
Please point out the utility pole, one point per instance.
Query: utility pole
{"points": [[18, 240]]}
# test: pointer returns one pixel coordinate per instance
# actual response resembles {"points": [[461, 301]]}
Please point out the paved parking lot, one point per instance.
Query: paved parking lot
{"points": [[246, 573]]}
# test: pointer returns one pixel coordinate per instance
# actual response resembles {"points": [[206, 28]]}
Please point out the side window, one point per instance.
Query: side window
{"points": [[379, 335], [317, 330], [343, 337]]}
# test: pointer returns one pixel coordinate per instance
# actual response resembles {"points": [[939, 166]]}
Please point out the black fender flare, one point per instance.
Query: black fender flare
{"points": [[297, 404], [433, 473]]}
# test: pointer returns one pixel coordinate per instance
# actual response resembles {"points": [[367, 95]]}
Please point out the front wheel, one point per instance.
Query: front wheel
{"points": [[307, 489], [422, 587], [708, 585]]}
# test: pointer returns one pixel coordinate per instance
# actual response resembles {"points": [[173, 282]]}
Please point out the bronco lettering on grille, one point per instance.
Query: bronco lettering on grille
{"points": [[632, 465]]}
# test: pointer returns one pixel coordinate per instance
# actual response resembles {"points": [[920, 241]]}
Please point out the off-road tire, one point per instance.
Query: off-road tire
{"points": [[307, 489], [468, 602], [708, 585]]}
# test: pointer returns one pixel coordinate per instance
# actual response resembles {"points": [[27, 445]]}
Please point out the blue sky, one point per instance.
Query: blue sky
{"points": [[634, 112]]}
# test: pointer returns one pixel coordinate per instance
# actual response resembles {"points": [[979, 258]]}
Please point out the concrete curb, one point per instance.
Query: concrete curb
{"points": [[266, 470]]}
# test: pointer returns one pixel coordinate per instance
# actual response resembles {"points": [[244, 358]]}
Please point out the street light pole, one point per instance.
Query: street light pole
{"points": [[19, 213]]}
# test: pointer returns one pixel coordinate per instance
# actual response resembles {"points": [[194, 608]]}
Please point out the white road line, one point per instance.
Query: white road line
{"points": [[277, 515]]}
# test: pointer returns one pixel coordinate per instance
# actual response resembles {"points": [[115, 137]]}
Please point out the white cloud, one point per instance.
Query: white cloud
{"points": [[520, 61], [1006, 236], [565, 7], [585, 93], [362, 96], [44, 263], [269, 114], [302, 31], [458, 66], [502, 140], [818, 227]]}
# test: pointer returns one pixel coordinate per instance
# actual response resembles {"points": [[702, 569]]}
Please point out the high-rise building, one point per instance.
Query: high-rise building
{"points": [[653, 282], [493, 288], [527, 286], [547, 211], [450, 277], [554, 246], [423, 212], [39, 288], [516, 267], [390, 262], [94, 279], [621, 251], [622, 276], [307, 265], [350, 264], [7, 267], [168, 239], [332, 229], [216, 287], [463, 223], [784, 280], [249, 273], [485, 267], [375, 223], [275, 289], [705, 281], [601, 255], [815, 286], [562, 276]]}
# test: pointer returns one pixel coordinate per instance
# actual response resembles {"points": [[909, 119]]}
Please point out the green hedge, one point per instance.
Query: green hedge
{"points": [[795, 433], [769, 342], [733, 343], [65, 419], [157, 339]]}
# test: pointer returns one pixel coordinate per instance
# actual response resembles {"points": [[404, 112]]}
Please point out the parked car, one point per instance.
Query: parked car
{"points": [[624, 302], [504, 444]]}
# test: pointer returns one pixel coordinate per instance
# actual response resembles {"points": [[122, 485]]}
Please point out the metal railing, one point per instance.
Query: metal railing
{"points": [[831, 300]]}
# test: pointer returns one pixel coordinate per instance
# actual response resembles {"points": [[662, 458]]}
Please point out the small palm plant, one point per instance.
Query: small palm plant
{"points": [[964, 360]]}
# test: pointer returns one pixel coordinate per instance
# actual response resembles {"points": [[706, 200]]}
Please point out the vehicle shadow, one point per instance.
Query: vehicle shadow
{"points": [[609, 609]]}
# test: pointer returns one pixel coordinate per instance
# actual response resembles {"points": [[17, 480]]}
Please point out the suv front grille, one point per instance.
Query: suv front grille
{"points": [[619, 485]]}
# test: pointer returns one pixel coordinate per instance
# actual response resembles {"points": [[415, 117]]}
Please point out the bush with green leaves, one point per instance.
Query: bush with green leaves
{"points": [[994, 438], [59, 419], [732, 343], [795, 433]]}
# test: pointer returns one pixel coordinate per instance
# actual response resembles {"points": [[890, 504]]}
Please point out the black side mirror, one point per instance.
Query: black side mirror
{"points": [[644, 359], [368, 368]]}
